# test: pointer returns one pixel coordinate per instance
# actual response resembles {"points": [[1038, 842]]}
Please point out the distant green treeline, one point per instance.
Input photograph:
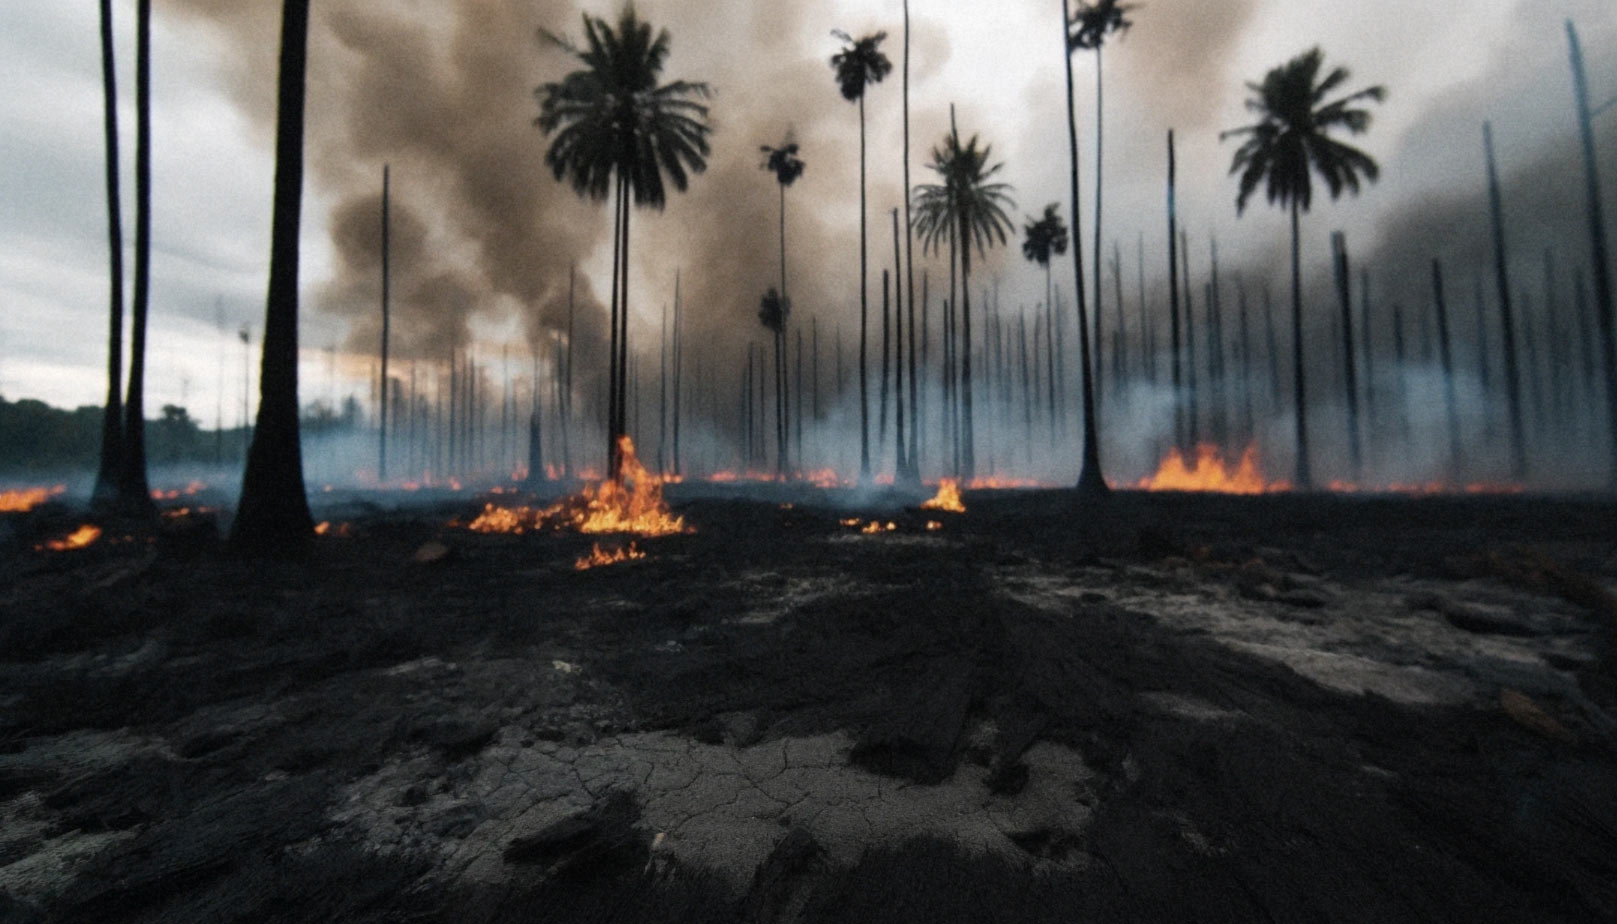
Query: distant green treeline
{"points": [[35, 437]]}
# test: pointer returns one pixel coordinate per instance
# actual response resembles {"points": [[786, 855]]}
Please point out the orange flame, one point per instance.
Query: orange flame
{"points": [[948, 498], [78, 539], [191, 489], [1211, 474], [632, 504], [998, 482], [596, 558], [26, 499]]}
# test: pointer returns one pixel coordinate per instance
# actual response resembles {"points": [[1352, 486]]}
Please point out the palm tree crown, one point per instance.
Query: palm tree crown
{"points": [[773, 310], [965, 201], [1291, 141], [1092, 22], [783, 162], [1046, 237], [860, 64], [612, 117]]}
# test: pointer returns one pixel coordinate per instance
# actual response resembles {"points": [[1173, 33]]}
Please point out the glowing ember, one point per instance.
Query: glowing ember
{"points": [[191, 489], [997, 482], [26, 499], [632, 504], [933, 526], [1211, 474], [341, 530], [596, 558], [823, 478], [948, 498], [78, 539], [872, 528]]}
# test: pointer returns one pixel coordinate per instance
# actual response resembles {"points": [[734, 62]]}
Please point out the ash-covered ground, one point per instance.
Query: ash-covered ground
{"points": [[1160, 708]]}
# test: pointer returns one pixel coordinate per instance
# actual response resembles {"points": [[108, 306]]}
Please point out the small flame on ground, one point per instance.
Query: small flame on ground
{"points": [[191, 489], [598, 557], [874, 527], [948, 498], [77, 539], [999, 482], [632, 504], [341, 530], [23, 500], [933, 526], [1211, 473]]}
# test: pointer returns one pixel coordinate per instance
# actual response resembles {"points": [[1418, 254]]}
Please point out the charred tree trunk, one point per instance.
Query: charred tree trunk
{"points": [[1304, 480], [1599, 259], [381, 448], [272, 517], [1272, 344], [1350, 377], [1180, 433], [1518, 436], [1027, 396], [1193, 412], [105, 492], [1449, 397], [1091, 483], [134, 492], [864, 311]]}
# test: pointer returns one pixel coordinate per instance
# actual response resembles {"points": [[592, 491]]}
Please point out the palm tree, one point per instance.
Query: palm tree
{"points": [[974, 210], [272, 517], [1044, 238], [1091, 23], [1090, 481], [1289, 142], [784, 163], [616, 133], [112, 429], [857, 66], [134, 492]]}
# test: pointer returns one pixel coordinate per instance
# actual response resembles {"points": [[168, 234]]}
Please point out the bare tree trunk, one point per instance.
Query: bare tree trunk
{"points": [[1518, 437], [381, 449], [1599, 259], [864, 312], [135, 496], [1090, 481], [1027, 396], [1193, 413], [1272, 343], [1179, 430], [1304, 480], [1449, 397], [1248, 429], [112, 429], [901, 463], [1351, 388], [968, 455], [272, 517]]}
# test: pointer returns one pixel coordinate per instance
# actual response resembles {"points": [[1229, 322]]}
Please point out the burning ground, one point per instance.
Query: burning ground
{"points": [[1173, 707]]}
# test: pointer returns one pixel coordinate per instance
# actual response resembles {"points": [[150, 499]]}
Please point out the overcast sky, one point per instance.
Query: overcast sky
{"points": [[443, 91]]}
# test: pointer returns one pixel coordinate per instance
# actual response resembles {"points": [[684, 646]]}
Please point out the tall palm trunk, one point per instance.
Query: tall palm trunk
{"points": [[781, 451], [968, 455], [1100, 287], [1090, 481], [1449, 398], [1518, 438], [622, 428], [112, 429], [381, 449], [1192, 392], [1179, 431], [914, 474], [612, 339], [902, 464], [1599, 259], [273, 515], [567, 385], [864, 314], [133, 491], [1349, 367], [1304, 481]]}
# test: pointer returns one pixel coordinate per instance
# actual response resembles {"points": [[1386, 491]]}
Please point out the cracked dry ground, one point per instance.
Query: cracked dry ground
{"points": [[1165, 709]]}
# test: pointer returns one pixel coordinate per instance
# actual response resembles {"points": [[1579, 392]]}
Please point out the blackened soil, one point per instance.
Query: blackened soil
{"points": [[181, 734]]}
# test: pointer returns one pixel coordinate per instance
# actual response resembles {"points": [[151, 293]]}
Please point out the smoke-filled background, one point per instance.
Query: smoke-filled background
{"points": [[486, 245]]}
